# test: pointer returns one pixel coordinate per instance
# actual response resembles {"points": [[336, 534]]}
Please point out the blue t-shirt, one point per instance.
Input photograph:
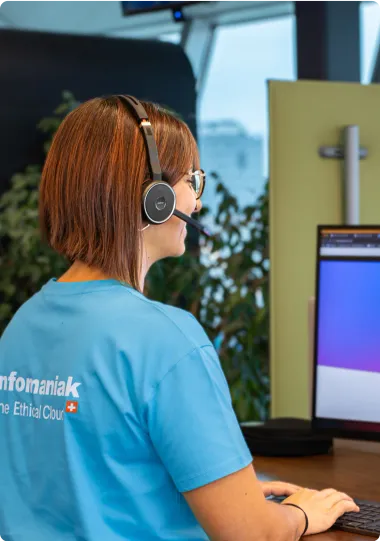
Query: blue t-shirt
{"points": [[111, 406]]}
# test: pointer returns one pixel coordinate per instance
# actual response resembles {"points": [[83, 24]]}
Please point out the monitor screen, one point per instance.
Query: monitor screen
{"points": [[347, 332], [132, 8]]}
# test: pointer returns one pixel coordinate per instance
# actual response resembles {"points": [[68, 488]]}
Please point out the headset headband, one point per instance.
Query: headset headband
{"points": [[159, 199], [146, 128]]}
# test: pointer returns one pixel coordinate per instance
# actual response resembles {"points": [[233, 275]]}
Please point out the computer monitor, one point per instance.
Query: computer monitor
{"points": [[346, 383], [133, 7]]}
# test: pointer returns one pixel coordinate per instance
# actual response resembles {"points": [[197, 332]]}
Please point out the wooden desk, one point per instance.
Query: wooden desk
{"points": [[353, 468]]}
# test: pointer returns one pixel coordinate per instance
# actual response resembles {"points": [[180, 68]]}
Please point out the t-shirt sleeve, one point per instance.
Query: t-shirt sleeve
{"points": [[192, 423]]}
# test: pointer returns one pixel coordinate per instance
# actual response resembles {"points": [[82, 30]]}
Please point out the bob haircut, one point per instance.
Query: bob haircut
{"points": [[90, 199]]}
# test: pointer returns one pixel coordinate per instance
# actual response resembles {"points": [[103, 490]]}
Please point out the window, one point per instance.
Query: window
{"points": [[369, 38], [233, 110], [173, 37]]}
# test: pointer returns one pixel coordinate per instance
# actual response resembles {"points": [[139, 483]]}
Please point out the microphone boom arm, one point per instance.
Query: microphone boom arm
{"points": [[192, 222]]}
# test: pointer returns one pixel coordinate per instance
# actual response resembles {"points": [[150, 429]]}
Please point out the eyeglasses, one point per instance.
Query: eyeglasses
{"points": [[198, 181]]}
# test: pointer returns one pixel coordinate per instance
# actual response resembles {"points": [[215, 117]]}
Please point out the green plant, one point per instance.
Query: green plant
{"points": [[224, 283], [25, 262]]}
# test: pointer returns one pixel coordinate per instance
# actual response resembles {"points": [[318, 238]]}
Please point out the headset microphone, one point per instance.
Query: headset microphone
{"points": [[192, 222], [158, 199]]}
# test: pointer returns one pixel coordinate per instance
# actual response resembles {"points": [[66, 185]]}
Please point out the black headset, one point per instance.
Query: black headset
{"points": [[158, 199]]}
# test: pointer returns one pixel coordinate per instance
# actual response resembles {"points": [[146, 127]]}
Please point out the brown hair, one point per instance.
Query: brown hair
{"points": [[91, 187]]}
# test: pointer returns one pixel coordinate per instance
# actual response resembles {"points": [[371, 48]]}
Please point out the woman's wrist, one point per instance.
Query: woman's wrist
{"points": [[302, 520]]}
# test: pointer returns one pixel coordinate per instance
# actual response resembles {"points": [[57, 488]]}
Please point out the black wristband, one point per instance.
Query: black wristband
{"points": [[306, 519]]}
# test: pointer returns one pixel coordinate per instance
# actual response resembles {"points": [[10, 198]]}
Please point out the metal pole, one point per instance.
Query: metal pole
{"points": [[351, 175]]}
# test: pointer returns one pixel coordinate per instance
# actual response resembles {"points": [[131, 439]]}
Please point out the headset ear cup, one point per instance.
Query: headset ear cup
{"points": [[158, 202]]}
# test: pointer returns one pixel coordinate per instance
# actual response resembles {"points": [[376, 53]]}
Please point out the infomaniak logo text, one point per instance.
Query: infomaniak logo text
{"points": [[51, 387]]}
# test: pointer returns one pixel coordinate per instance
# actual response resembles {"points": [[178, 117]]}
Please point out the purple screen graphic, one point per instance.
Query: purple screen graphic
{"points": [[349, 315]]}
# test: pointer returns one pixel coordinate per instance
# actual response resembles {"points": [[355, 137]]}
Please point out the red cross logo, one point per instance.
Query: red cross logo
{"points": [[71, 406]]}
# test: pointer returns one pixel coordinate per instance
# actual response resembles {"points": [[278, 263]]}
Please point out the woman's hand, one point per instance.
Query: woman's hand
{"points": [[278, 488], [323, 508]]}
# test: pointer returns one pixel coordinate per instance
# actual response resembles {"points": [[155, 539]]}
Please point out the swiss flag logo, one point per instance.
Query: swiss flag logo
{"points": [[71, 406]]}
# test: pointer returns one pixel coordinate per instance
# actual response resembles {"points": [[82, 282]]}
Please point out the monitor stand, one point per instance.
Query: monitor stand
{"points": [[285, 436]]}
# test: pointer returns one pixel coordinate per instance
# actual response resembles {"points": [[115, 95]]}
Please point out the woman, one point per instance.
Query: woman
{"points": [[117, 421]]}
